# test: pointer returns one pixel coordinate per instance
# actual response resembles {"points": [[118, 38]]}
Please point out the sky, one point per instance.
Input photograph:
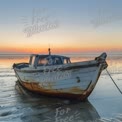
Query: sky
{"points": [[66, 26]]}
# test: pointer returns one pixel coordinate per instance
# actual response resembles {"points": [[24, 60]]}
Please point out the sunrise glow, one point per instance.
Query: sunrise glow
{"points": [[65, 28]]}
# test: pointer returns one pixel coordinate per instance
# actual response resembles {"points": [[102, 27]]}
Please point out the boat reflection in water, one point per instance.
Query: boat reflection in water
{"points": [[46, 109]]}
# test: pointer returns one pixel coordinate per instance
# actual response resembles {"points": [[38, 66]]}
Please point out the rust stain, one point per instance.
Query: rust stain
{"points": [[91, 87], [73, 93], [76, 90], [50, 85]]}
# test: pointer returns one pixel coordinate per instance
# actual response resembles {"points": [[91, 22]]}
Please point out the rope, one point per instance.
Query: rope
{"points": [[114, 81]]}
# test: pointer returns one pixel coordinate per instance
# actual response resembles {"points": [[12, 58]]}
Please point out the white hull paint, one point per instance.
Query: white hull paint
{"points": [[71, 79]]}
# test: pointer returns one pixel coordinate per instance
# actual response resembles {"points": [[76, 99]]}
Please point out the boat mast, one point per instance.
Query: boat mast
{"points": [[49, 51]]}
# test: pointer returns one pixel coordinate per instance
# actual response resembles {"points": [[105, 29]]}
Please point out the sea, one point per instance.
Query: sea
{"points": [[19, 105]]}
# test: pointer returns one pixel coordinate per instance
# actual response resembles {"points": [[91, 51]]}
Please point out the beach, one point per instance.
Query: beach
{"points": [[19, 105]]}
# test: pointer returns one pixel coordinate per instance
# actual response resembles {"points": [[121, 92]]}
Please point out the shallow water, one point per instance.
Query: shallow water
{"points": [[19, 105]]}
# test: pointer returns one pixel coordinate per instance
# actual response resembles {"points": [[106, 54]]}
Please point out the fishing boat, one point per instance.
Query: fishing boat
{"points": [[56, 75]]}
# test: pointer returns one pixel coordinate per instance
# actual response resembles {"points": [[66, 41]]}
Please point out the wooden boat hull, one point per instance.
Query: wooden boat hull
{"points": [[53, 93], [78, 85], [70, 80]]}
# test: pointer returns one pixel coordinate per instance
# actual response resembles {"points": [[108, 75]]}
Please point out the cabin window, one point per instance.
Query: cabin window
{"points": [[66, 61], [43, 61], [57, 61], [32, 60]]}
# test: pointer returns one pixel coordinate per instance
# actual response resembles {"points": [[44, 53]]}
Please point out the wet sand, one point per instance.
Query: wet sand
{"points": [[20, 105]]}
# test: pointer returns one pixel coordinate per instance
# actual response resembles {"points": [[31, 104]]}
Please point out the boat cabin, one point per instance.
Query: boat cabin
{"points": [[48, 60]]}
